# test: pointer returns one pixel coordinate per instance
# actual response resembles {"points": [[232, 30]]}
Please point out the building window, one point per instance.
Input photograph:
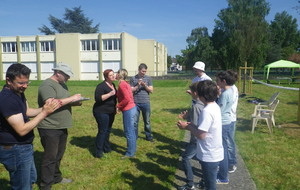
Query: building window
{"points": [[46, 67], [114, 65], [28, 46], [89, 67], [31, 66], [9, 47], [7, 64], [112, 44], [89, 45], [47, 46]]}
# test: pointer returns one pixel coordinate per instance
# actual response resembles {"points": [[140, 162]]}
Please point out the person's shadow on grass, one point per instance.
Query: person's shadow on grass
{"points": [[88, 142]]}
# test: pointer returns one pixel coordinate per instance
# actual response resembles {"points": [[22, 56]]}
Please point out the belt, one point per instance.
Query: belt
{"points": [[7, 147]]}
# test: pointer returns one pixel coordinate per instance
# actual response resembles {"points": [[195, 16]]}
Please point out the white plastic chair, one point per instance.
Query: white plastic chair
{"points": [[271, 100], [264, 113]]}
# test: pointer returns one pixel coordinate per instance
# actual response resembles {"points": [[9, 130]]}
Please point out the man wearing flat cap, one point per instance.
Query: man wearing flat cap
{"points": [[53, 129]]}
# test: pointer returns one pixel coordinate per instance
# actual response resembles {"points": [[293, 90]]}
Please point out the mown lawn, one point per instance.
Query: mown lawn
{"points": [[273, 160]]}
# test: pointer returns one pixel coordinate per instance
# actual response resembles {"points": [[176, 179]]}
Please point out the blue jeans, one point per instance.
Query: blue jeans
{"points": [[209, 170], [188, 154], [146, 112], [128, 122], [223, 165], [19, 162], [105, 122], [231, 145]]}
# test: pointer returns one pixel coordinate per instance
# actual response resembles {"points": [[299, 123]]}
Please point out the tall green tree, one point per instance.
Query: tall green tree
{"points": [[284, 36], [199, 48], [169, 61], [74, 21], [242, 29]]}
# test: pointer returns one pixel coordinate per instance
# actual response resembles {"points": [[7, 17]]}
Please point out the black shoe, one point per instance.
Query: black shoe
{"points": [[99, 155], [186, 187], [107, 150], [201, 184], [150, 140]]}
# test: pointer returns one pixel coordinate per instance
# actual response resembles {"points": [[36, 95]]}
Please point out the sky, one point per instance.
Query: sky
{"points": [[167, 21]]}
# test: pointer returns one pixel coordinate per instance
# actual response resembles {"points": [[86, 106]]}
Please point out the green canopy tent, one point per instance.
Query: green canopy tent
{"points": [[280, 64]]}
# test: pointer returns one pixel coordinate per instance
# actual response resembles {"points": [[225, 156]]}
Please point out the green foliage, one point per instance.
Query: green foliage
{"points": [[74, 21], [199, 48], [242, 35], [272, 159], [243, 27], [169, 61], [284, 36]]}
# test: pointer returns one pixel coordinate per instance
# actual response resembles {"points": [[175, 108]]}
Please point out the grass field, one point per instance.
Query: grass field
{"points": [[273, 160]]}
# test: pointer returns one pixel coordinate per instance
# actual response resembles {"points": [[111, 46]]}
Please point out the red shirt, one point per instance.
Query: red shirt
{"points": [[125, 97]]}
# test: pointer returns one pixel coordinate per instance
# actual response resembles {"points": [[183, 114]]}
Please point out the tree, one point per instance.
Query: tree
{"points": [[199, 47], [169, 61], [284, 35], [243, 30], [74, 21]]}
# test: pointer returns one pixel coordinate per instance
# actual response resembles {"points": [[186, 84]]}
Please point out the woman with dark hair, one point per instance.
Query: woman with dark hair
{"points": [[104, 111], [128, 108]]}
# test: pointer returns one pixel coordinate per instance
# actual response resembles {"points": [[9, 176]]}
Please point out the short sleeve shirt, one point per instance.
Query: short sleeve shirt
{"points": [[62, 117], [12, 104], [210, 148], [141, 95], [107, 106]]}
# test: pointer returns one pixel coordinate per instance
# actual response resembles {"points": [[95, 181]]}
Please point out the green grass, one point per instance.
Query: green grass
{"points": [[273, 160]]}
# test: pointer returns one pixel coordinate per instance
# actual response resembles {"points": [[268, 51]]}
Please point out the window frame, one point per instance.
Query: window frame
{"points": [[9, 47], [28, 46], [112, 44], [89, 45], [47, 46]]}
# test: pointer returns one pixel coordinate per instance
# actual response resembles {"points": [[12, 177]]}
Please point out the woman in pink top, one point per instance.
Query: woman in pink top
{"points": [[128, 108]]}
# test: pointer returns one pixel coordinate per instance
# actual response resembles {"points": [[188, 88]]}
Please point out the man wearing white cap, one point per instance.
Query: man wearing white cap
{"points": [[199, 68], [53, 129]]}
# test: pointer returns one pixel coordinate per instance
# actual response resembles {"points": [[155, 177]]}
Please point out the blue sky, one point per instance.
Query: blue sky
{"points": [[167, 21]]}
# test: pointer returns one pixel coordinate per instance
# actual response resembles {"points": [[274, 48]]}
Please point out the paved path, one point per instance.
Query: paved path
{"points": [[239, 180]]}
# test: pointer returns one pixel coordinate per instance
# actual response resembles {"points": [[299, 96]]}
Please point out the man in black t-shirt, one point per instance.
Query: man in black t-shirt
{"points": [[16, 131]]}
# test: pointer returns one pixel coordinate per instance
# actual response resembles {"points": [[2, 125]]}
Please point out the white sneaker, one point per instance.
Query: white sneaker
{"points": [[232, 169], [186, 187]]}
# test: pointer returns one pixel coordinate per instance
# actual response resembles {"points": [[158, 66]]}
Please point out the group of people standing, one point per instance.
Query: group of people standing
{"points": [[130, 99], [54, 117], [211, 122]]}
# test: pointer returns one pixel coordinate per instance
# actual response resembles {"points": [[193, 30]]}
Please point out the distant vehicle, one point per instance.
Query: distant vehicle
{"points": [[175, 67]]}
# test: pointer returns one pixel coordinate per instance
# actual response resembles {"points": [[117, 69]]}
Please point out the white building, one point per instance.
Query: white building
{"points": [[88, 54]]}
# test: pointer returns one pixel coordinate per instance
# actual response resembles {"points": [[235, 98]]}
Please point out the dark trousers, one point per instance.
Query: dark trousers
{"points": [[188, 154], [209, 170], [105, 122], [54, 142]]}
